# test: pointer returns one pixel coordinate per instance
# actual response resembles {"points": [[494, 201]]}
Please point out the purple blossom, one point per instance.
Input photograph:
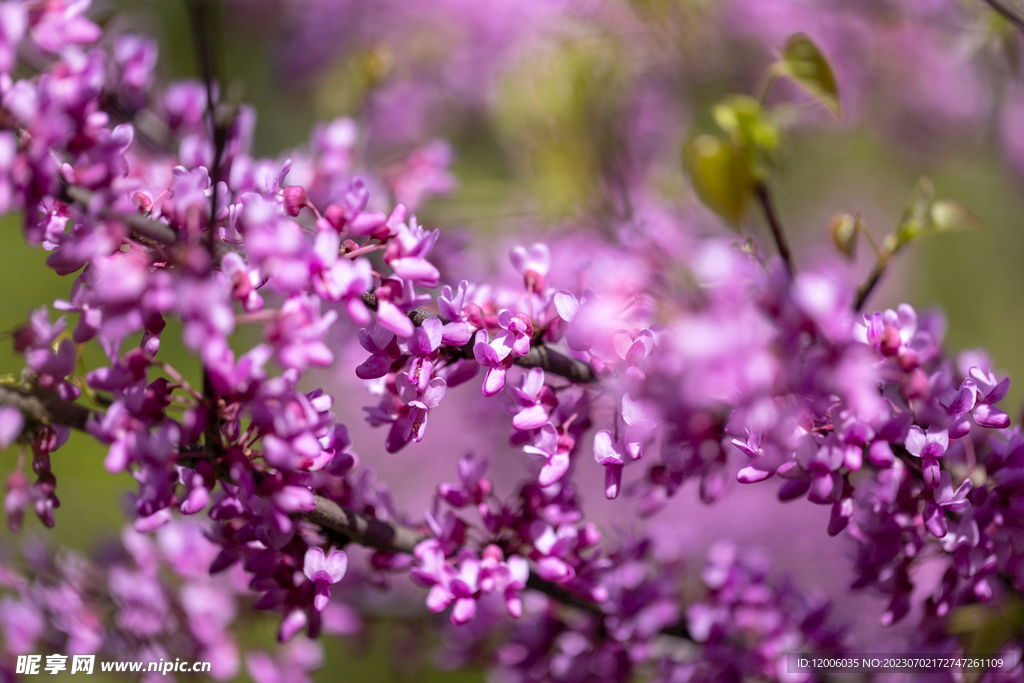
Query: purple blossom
{"points": [[930, 447], [407, 253], [381, 343], [946, 499], [534, 401], [473, 487], [496, 356], [298, 331], [554, 448], [609, 453], [324, 571], [11, 424], [533, 263], [458, 330]]}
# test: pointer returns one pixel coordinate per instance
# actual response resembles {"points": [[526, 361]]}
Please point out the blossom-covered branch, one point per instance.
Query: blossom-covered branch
{"points": [[660, 347]]}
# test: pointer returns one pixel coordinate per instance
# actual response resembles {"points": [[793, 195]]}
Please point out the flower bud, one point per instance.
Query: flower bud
{"points": [[295, 198]]}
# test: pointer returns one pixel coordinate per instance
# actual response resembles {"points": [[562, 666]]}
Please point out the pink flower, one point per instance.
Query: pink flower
{"points": [[323, 572]]}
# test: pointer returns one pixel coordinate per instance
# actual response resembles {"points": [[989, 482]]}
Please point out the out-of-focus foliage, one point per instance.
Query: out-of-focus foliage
{"points": [[562, 113]]}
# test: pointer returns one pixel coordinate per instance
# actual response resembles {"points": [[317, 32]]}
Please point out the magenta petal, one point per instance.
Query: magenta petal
{"points": [[880, 454], [337, 564], [484, 352], [417, 270], [556, 466], [393, 319], [822, 486], [295, 499], [456, 496], [434, 392], [11, 424], [375, 366], [935, 520], [456, 334], [931, 472], [961, 427], [566, 304], [494, 381], [464, 610], [751, 475], [842, 512], [963, 402], [793, 489], [438, 599], [321, 596], [531, 418], [612, 481], [513, 603], [960, 502], [291, 625], [357, 311], [554, 569], [313, 562], [604, 449], [990, 416], [999, 392], [144, 525], [915, 441]]}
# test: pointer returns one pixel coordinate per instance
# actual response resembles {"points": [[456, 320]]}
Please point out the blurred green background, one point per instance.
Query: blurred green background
{"points": [[542, 145]]}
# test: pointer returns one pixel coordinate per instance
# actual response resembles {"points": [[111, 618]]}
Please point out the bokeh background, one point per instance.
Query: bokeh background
{"points": [[570, 115]]}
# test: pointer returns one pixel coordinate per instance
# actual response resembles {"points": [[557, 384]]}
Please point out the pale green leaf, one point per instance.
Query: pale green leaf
{"points": [[808, 67], [948, 215], [720, 176]]}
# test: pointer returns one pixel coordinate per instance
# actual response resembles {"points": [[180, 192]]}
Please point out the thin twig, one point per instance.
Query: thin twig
{"points": [[864, 291], [206, 29], [765, 199]]}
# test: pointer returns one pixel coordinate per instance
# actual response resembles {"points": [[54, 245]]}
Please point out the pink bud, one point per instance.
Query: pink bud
{"points": [[295, 198]]}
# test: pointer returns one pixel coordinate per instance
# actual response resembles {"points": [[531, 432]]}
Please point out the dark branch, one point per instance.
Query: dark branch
{"points": [[43, 407], [540, 356], [143, 229], [864, 291], [363, 530], [160, 234], [205, 17], [765, 199]]}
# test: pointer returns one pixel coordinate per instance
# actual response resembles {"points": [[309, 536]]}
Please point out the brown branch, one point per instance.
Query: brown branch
{"points": [[363, 529], [160, 234], [147, 230], [540, 356], [143, 229], [205, 15], [44, 407], [765, 199], [47, 408], [864, 291]]}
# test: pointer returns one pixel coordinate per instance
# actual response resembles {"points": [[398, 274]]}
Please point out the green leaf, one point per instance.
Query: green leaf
{"points": [[947, 215], [984, 629], [808, 67], [720, 176], [844, 234], [916, 219]]}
